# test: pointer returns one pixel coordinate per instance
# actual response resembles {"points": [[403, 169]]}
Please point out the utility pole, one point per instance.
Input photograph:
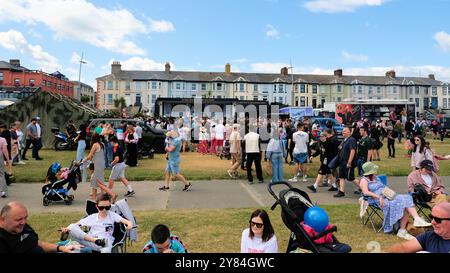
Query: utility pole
{"points": [[292, 85], [79, 74]]}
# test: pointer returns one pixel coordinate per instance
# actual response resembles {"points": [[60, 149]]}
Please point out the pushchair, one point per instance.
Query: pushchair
{"points": [[54, 191], [226, 150], [294, 203]]}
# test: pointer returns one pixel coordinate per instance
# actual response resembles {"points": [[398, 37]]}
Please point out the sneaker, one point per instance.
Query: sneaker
{"points": [[21, 162], [305, 178], [260, 181], [402, 233], [129, 193], [250, 182], [187, 187], [294, 179], [164, 188], [419, 222], [311, 188], [333, 189], [230, 173], [4, 195], [100, 242], [339, 194]]}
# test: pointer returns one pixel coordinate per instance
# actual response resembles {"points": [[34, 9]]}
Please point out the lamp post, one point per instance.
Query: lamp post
{"points": [[79, 74], [292, 84]]}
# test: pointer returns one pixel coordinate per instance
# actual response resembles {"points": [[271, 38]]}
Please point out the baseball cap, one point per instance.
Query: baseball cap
{"points": [[427, 164]]}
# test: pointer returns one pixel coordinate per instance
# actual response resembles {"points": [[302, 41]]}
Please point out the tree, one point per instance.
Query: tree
{"points": [[85, 99], [120, 103]]}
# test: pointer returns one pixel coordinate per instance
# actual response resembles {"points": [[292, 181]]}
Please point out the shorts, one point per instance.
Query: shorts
{"points": [[324, 170], [118, 171], [347, 173], [219, 142], [301, 158], [173, 167]]}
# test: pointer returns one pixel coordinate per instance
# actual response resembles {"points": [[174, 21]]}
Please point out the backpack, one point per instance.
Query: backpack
{"points": [[421, 194]]}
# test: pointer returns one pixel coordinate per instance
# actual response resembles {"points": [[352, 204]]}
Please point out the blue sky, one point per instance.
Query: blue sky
{"points": [[363, 37]]}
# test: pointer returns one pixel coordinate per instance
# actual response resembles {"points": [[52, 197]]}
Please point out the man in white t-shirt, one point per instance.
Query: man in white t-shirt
{"points": [[101, 224], [252, 144], [301, 140], [220, 136]]}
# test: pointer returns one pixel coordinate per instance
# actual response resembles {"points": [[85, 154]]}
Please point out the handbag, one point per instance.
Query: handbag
{"points": [[388, 193], [334, 163], [422, 194]]}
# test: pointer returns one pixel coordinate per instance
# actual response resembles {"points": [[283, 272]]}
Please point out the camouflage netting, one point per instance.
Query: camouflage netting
{"points": [[54, 110]]}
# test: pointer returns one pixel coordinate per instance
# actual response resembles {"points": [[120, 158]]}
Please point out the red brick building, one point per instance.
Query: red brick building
{"points": [[12, 74]]}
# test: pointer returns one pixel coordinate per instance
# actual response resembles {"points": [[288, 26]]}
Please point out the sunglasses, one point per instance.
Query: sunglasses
{"points": [[437, 219], [258, 225], [104, 207], [416, 139]]}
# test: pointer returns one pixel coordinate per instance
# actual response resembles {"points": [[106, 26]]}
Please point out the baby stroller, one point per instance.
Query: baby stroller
{"points": [[54, 191], [226, 150], [294, 203]]}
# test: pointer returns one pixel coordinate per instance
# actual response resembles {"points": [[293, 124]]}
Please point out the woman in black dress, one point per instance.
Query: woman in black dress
{"points": [[131, 139]]}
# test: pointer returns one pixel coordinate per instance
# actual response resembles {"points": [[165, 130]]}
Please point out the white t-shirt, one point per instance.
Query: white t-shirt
{"points": [[38, 128], [251, 143], [301, 140], [428, 180], [220, 131], [101, 228], [235, 137], [256, 245]]}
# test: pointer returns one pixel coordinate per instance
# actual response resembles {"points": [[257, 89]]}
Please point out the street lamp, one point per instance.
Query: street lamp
{"points": [[292, 84], [79, 74]]}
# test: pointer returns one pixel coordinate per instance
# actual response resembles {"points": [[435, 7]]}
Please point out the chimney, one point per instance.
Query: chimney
{"points": [[228, 69], [284, 71], [14, 62], [167, 67], [338, 72], [390, 73], [116, 67], [431, 76]]}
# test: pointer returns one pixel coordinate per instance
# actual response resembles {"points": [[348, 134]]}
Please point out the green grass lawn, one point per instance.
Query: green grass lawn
{"points": [[217, 231], [198, 167]]}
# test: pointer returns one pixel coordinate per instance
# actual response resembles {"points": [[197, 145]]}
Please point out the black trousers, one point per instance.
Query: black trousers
{"points": [[391, 147], [254, 157], [291, 150], [28, 143]]}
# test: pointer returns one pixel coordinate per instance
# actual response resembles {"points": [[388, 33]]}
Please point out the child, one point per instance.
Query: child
{"points": [[164, 242]]}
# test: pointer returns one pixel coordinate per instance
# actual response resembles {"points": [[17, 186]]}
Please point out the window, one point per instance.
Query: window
{"points": [[444, 103], [280, 99], [360, 89], [32, 82], [154, 85], [137, 86], [417, 90], [417, 102], [255, 98], [302, 88], [203, 86], [219, 97], [434, 91], [410, 90], [370, 90], [302, 101], [241, 87], [378, 90], [138, 99], [445, 90], [314, 89], [1, 76], [127, 85], [177, 86], [280, 88], [194, 87], [117, 85], [339, 99], [44, 83], [110, 85], [411, 99], [425, 90], [219, 86], [241, 97], [255, 88], [110, 99], [16, 82], [339, 88], [394, 89], [153, 97], [274, 88]]}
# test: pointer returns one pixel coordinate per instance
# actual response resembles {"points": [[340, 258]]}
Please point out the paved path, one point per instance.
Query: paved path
{"points": [[204, 194]]}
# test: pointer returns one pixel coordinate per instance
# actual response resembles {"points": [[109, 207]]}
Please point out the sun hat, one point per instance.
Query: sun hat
{"points": [[369, 168]]}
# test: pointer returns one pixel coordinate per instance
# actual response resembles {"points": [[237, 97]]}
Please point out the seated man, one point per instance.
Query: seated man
{"points": [[163, 242], [436, 241], [101, 224], [430, 180], [16, 236]]}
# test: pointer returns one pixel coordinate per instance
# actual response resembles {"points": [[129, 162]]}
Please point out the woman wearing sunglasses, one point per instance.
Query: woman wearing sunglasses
{"points": [[435, 241], [101, 227], [420, 152], [260, 236]]}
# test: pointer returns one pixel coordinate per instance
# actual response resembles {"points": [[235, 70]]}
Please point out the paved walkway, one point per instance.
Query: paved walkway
{"points": [[204, 194]]}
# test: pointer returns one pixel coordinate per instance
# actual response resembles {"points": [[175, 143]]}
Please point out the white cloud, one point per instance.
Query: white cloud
{"points": [[338, 6], [15, 41], [272, 32], [241, 60], [441, 73], [138, 63], [111, 29], [161, 26], [33, 33], [354, 58], [443, 40]]}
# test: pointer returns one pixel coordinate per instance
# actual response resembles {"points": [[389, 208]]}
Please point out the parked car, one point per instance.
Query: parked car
{"points": [[152, 138], [323, 124]]}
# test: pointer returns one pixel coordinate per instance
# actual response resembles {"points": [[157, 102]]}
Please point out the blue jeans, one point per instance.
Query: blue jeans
{"points": [[360, 162], [277, 167], [80, 155]]}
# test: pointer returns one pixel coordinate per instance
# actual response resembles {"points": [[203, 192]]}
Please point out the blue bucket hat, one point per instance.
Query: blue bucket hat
{"points": [[56, 167]]}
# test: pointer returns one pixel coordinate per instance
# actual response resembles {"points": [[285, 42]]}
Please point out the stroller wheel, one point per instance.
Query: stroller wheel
{"points": [[45, 201]]}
